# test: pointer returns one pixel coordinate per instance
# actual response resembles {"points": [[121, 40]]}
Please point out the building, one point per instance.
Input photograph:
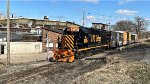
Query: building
{"points": [[100, 26], [21, 42], [49, 38], [33, 23], [21, 47], [4, 29], [33, 31], [2, 16]]}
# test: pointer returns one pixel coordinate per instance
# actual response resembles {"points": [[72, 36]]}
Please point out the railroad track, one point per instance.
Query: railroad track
{"points": [[22, 75]]}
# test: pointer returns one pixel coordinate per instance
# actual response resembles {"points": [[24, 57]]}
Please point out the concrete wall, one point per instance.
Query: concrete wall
{"points": [[23, 47]]}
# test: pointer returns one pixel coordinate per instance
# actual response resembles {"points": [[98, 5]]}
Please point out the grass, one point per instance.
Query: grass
{"points": [[119, 73], [140, 73]]}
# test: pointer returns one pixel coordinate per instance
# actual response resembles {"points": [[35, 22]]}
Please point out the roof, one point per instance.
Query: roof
{"points": [[14, 28], [84, 29], [119, 31], [133, 34], [100, 23], [56, 30]]}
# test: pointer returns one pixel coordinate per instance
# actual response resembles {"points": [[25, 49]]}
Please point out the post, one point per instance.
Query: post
{"points": [[83, 16], [8, 33], [109, 25], [47, 47]]}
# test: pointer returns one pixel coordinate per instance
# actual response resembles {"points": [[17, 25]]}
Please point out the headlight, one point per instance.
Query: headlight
{"points": [[69, 50], [56, 49]]}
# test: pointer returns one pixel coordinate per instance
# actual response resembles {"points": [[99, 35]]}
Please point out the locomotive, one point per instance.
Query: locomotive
{"points": [[78, 42]]}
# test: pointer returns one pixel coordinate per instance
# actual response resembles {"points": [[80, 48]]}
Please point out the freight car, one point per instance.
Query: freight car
{"points": [[79, 42], [134, 38], [120, 38], [117, 39]]}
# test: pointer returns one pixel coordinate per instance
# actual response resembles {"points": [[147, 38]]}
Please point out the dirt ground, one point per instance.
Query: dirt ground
{"points": [[24, 58], [129, 66]]}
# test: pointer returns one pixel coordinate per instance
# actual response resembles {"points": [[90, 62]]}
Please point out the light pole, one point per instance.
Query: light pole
{"points": [[83, 15], [8, 32]]}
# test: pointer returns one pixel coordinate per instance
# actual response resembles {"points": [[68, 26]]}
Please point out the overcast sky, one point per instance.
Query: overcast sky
{"points": [[104, 11]]}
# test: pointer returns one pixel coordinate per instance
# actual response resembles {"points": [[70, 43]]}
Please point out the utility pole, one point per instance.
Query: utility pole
{"points": [[47, 47], [83, 15], [109, 25], [8, 32]]}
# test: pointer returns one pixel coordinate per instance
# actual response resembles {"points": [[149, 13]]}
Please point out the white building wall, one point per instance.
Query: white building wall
{"points": [[24, 47]]}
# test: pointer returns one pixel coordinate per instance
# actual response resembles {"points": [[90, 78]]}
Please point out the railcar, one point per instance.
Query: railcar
{"points": [[128, 38], [113, 39], [119, 38], [124, 38], [134, 38]]}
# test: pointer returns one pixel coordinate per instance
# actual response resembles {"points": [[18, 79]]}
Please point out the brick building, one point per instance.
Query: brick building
{"points": [[51, 35]]}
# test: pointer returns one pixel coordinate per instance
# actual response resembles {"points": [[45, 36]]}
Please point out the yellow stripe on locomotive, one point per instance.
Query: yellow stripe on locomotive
{"points": [[67, 42]]}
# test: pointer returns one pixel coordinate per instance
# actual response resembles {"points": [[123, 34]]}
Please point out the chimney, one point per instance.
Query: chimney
{"points": [[12, 16], [46, 18]]}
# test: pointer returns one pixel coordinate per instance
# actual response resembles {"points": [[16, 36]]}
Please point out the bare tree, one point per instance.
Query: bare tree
{"points": [[140, 25], [124, 25]]}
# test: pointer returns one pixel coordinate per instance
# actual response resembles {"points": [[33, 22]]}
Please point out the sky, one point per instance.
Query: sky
{"points": [[104, 11]]}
